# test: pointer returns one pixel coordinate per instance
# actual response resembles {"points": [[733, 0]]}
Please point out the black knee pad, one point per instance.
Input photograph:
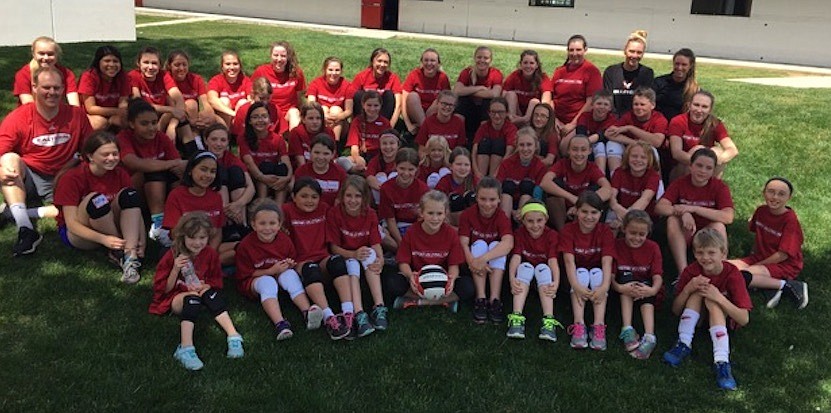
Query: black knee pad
{"points": [[336, 266], [98, 206], [457, 203], [394, 285], [235, 178], [191, 306], [310, 274], [129, 198], [271, 168], [498, 147], [215, 301], [485, 147], [190, 148], [470, 198], [509, 187], [526, 187], [748, 277], [464, 288]]}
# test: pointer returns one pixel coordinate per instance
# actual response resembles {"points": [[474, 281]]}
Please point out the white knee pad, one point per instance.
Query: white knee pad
{"points": [[370, 259], [290, 282], [353, 267], [497, 263], [525, 273], [480, 248], [599, 150], [433, 180], [614, 149], [542, 272], [595, 278], [266, 287], [583, 278], [661, 190]]}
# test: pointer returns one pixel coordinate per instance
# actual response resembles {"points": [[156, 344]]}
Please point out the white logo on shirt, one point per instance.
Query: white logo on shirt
{"points": [[52, 139]]}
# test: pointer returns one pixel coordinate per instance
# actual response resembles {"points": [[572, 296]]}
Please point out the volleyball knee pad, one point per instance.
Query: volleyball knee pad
{"points": [[599, 150], [235, 178], [266, 287], [336, 266], [191, 306], [596, 278], [98, 206], [353, 267], [526, 187], [479, 248], [289, 280], [470, 198], [543, 274], [583, 277], [271, 168], [457, 203], [310, 274], [215, 301], [509, 187], [129, 198], [748, 277], [525, 273]]}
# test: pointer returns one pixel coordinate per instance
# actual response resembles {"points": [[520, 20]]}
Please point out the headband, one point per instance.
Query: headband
{"points": [[779, 178], [533, 207]]}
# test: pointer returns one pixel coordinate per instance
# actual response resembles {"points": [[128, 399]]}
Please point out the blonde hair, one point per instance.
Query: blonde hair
{"points": [[637, 36], [651, 161], [189, 225], [434, 141], [33, 64], [434, 195], [530, 132], [709, 238]]}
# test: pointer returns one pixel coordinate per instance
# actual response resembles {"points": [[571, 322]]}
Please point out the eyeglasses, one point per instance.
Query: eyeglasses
{"points": [[447, 105], [498, 112]]}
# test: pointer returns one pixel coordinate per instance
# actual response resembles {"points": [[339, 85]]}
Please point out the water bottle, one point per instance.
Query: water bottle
{"points": [[189, 274]]}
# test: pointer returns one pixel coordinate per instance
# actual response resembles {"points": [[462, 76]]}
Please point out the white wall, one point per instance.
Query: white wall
{"points": [[336, 12], [777, 31], [67, 21]]}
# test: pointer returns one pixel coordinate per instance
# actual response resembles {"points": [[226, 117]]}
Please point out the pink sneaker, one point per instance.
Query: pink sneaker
{"points": [[579, 339], [335, 328], [598, 337]]}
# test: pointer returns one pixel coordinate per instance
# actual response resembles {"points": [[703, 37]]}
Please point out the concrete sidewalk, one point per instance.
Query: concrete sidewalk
{"points": [[386, 34]]}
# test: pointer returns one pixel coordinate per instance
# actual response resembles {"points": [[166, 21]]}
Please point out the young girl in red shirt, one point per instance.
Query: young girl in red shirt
{"points": [[235, 184], [365, 132], [148, 82], [265, 154], [543, 123], [476, 86], [635, 185], [300, 138], [381, 168], [459, 185], [400, 196], [328, 174], [331, 91], [520, 173], [229, 89], [378, 77], [104, 89], [287, 83], [526, 87], [434, 163], [194, 91], [421, 89], [494, 140]]}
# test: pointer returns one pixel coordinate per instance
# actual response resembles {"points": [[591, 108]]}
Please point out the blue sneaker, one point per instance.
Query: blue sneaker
{"points": [[235, 349], [724, 376], [187, 356], [677, 354], [378, 318]]}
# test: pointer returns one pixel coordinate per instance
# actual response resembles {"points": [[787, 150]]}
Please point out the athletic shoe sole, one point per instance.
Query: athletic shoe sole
{"points": [[314, 318], [804, 302], [32, 249]]}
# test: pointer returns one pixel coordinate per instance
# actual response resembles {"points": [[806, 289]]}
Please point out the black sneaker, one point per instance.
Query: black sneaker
{"points": [[336, 328], [480, 310], [27, 242], [798, 291], [772, 297], [496, 313]]}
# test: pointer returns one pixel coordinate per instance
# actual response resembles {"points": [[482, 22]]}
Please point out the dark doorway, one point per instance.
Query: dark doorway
{"points": [[390, 15]]}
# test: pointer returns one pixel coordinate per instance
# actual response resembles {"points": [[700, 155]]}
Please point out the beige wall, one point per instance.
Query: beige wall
{"points": [[337, 12], [67, 21]]}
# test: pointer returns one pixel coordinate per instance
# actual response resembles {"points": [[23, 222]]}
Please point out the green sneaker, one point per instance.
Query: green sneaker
{"points": [[644, 350], [187, 356], [630, 338], [516, 326], [548, 331], [235, 349]]}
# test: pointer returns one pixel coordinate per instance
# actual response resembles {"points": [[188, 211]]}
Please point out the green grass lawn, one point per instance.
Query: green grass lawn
{"points": [[75, 339]]}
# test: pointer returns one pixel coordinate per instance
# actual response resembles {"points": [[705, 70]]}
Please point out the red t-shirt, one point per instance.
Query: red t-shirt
{"points": [[208, 270], [253, 254], [370, 132], [366, 80], [715, 194], [160, 147], [269, 149], [181, 201], [486, 130], [330, 181], [155, 91], [308, 231], [428, 88], [690, 132], [418, 248], [300, 141], [571, 86], [238, 126], [656, 123], [228, 159], [512, 169], [401, 203], [44, 145], [448, 185], [630, 188], [424, 171], [524, 88], [192, 86], [777, 233], [350, 232], [231, 91], [644, 261], [374, 166], [729, 282], [330, 95], [285, 89], [494, 78], [588, 249], [576, 182], [453, 131], [586, 124], [477, 227], [536, 251], [23, 80], [107, 93], [79, 181]]}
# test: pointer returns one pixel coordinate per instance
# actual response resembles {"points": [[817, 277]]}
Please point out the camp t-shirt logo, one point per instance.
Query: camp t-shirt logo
{"points": [[51, 139]]}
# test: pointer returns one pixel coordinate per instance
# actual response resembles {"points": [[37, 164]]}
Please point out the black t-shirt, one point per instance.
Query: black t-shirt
{"points": [[669, 96], [622, 84]]}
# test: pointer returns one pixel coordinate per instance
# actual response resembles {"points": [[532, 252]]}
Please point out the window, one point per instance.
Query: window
{"points": [[739, 8], [551, 3]]}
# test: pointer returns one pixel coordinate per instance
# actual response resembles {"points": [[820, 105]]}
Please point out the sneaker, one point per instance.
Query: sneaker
{"points": [[644, 350], [187, 356], [402, 302], [235, 349], [480, 310], [516, 326], [724, 376], [283, 329], [548, 331], [798, 291], [630, 338], [772, 297], [677, 354], [598, 337], [348, 320], [378, 317], [579, 338], [27, 242], [130, 267], [363, 327], [496, 313], [313, 317], [335, 328], [116, 257]]}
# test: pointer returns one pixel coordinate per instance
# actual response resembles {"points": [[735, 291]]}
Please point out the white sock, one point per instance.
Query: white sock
{"points": [[21, 218], [38, 212], [721, 343], [347, 307], [327, 312], [686, 328], [782, 284]]}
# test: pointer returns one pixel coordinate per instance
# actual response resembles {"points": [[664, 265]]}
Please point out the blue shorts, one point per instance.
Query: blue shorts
{"points": [[63, 232]]}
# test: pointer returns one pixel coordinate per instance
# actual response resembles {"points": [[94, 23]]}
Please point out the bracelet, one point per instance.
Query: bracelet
{"points": [[183, 124]]}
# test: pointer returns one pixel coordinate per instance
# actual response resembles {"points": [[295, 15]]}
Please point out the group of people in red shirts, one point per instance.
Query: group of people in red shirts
{"points": [[529, 175]]}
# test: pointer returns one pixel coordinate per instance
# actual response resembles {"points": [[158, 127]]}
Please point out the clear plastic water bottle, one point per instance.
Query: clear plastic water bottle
{"points": [[189, 274]]}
